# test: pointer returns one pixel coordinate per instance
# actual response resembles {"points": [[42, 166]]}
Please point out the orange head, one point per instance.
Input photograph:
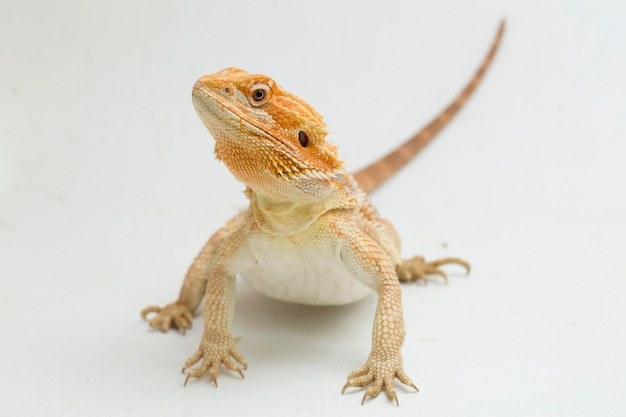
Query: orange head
{"points": [[268, 138]]}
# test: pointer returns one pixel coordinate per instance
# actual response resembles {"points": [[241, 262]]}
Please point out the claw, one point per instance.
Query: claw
{"points": [[406, 380], [437, 271], [345, 387]]}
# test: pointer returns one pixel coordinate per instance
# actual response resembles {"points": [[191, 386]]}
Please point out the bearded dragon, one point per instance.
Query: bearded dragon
{"points": [[310, 234]]}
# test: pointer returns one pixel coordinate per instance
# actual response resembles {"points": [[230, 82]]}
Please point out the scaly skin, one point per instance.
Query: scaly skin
{"points": [[310, 234]]}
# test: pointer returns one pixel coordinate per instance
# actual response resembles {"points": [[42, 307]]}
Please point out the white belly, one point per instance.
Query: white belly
{"points": [[304, 272]]}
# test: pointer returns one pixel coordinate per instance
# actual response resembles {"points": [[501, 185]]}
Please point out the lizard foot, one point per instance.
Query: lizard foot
{"points": [[416, 268], [214, 351], [378, 373], [175, 314]]}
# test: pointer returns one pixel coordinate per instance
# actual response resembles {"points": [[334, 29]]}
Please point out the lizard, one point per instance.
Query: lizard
{"points": [[309, 235]]}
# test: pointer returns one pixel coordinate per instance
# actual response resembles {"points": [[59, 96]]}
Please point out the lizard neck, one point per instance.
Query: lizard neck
{"points": [[290, 216]]}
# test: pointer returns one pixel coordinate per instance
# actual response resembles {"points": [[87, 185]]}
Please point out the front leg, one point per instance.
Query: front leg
{"points": [[180, 313], [367, 260], [217, 346]]}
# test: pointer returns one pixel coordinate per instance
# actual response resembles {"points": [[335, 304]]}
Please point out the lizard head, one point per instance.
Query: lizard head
{"points": [[268, 138]]}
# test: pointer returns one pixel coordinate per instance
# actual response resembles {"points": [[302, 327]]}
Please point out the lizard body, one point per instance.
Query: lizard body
{"points": [[310, 234]]}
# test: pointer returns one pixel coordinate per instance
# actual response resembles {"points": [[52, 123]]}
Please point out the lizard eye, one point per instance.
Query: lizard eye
{"points": [[259, 94]]}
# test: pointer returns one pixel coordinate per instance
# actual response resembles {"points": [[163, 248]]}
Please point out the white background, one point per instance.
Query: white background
{"points": [[108, 188]]}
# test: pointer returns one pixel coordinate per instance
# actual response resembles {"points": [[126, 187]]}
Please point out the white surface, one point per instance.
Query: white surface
{"points": [[108, 188]]}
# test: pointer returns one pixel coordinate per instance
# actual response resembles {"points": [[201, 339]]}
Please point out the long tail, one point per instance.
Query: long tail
{"points": [[375, 174]]}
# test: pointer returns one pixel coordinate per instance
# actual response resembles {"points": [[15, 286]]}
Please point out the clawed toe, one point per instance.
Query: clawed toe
{"points": [[417, 269], [219, 352], [378, 375], [175, 314], [457, 261]]}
